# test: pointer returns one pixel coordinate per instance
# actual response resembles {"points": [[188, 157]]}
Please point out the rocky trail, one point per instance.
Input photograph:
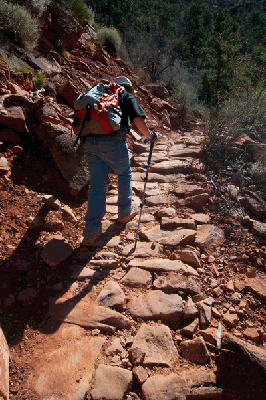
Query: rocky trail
{"points": [[113, 322]]}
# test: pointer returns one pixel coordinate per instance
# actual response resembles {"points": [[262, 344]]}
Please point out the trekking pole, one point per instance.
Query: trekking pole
{"points": [[145, 180]]}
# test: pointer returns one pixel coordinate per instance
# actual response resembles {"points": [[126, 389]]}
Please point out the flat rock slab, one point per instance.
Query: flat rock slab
{"points": [[241, 366], [4, 366], [168, 237], [160, 178], [165, 387], [137, 277], [209, 238], [200, 218], [111, 383], [174, 282], [196, 202], [259, 228], [163, 265], [66, 372], [168, 223], [172, 166], [161, 200], [85, 312], [138, 186], [157, 344], [143, 249], [186, 190], [156, 305], [197, 377], [257, 286], [181, 151], [156, 157], [72, 162]]}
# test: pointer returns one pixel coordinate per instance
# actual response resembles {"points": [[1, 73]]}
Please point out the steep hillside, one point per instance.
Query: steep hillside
{"points": [[114, 322]]}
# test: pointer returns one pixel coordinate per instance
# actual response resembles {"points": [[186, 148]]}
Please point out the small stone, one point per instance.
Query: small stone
{"points": [[190, 329], [27, 297], [236, 297], [52, 201], [190, 257], [140, 374], [216, 313], [190, 309], [56, 250], [136, 355], [217, 291], [112, 295], [230, 320], [195, 351], [205, 315], [115, 348], [251, 272], [4, 167], [68, 214], [229, 286], [252, 334], [209, 335]]}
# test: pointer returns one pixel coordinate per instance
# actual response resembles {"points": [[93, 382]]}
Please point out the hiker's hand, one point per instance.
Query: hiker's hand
{"points": [[154, 136]]}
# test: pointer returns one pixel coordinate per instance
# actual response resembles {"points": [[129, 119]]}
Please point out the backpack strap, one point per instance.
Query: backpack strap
{"points": [[86, 118]]}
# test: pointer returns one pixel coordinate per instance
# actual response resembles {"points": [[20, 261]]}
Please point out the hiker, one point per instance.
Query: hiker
{"points": [[111, 151]]}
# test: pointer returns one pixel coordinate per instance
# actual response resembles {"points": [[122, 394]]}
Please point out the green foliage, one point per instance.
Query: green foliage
{"points": [[257, 171], [197, 23], [182, 86], [37, 7], [243, 113], [110, 39], [80, 10], [18, 24], [39, 80], [216, 60], [25, 69]]}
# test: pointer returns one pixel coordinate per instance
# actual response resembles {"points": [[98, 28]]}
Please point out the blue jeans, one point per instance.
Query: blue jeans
{"points": [[106, 152]]}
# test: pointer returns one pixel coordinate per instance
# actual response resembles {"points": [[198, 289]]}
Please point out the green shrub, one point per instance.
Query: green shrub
{"points": [[24, 69], [183, 91], [243, 113], [18, 25], [257, 172], [37, 7], [110, 39], [39, 80], [79, 9]]}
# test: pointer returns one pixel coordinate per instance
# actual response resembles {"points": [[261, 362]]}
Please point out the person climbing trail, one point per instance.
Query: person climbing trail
{"points": [[111, 151]]}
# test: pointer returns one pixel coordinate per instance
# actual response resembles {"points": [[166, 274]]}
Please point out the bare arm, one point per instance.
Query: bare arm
{"points": [[142, 127]]}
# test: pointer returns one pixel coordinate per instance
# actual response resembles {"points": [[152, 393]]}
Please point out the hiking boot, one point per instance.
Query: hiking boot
{"points": [[129, 217], [90, 242]]}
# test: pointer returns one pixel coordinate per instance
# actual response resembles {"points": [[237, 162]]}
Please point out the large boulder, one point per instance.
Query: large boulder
{"points": [[61, 27], [72, 162], [158, 91], [14, 118], [242, 370]]}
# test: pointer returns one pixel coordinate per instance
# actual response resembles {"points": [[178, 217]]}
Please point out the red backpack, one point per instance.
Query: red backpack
{"points": [[97, 111]]}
